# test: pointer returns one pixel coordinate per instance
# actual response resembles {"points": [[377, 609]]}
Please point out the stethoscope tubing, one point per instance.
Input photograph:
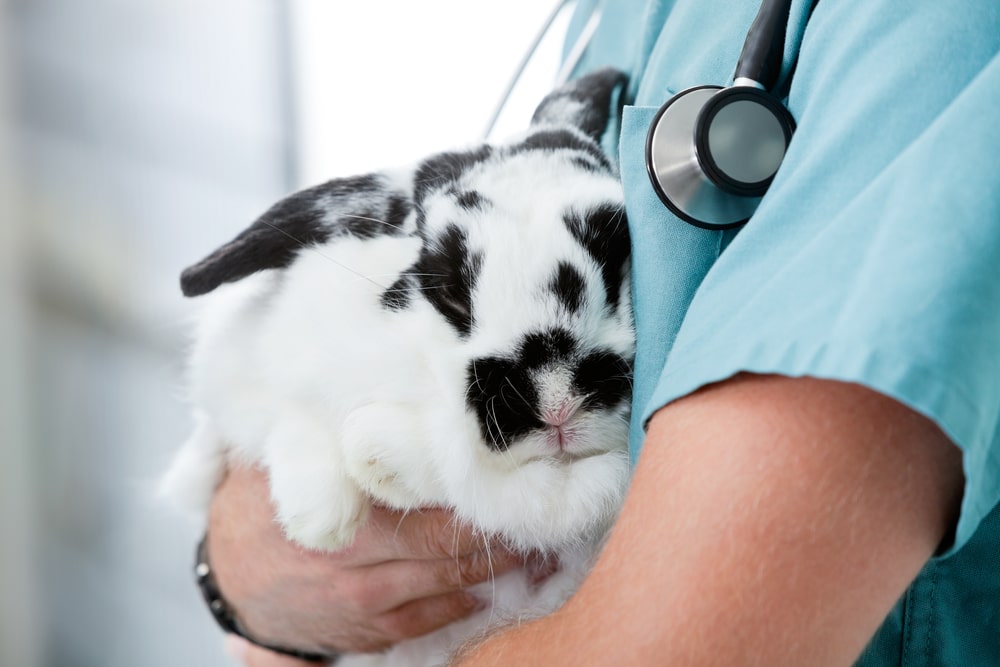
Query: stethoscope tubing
{"points": [[569, 64]]}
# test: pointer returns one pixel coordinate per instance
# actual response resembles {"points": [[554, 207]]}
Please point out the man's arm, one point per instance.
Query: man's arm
{"points": [[771, 521]]}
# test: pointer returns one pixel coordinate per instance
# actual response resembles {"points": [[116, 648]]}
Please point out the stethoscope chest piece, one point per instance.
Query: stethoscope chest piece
{"points": [[712, 152]]}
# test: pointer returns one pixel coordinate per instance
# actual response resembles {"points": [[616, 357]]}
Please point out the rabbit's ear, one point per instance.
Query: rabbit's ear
{"points": [[362, 207], [585, 103]]}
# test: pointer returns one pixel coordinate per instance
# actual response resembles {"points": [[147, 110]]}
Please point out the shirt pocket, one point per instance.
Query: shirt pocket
{"points": [[669, 260]]}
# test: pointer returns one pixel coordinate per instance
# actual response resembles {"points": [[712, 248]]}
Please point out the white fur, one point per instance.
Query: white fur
{"points": [[344, 402]]}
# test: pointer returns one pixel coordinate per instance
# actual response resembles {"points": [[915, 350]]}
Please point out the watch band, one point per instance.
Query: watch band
{"points": [[226, 618]]}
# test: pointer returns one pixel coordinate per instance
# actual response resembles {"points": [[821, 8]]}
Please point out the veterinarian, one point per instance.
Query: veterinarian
{"points": [[817, 391]]}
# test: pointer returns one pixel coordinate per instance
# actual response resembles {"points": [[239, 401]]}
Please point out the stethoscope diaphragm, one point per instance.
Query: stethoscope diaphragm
{"points": [[712, 152]]}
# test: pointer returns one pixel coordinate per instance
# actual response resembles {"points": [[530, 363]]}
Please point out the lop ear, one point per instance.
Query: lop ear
{"points": [[585, 103], [363, 207]]}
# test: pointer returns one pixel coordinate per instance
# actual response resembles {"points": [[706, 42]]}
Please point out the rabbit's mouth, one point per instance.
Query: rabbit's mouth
{"points": [[559, 437], [568, 442]]}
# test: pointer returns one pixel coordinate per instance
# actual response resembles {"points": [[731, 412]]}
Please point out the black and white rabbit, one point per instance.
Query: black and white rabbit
{"points": [[458, 335]]}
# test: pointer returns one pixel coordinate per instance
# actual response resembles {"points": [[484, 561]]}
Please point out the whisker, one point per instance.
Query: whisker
{"points": [[491, 414], [319, 252], [492, 579], [428, 288], [475, 374], [505, 401], [381, 222], [520, 395], [431, 275], [399, 524]]}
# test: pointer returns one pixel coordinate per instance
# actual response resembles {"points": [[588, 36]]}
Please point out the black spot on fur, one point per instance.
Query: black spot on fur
{"points": [[503, 394], [502, 391], [447, 272], [585, 103], [568, 285], [604, 378], [385, 217], [272, 242], [542, 348], [587, 164], [397, 210], [471, 200], [603, 232], [348, 185], [398, 296], [446, 169], [503, 397], [549, 140], [359, 206]]}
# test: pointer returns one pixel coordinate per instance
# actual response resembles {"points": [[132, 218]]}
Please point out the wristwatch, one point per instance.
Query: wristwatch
{"points": [[226, 618]]}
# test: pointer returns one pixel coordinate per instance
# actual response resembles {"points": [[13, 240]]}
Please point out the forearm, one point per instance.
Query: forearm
{"points": [[771, 521]]}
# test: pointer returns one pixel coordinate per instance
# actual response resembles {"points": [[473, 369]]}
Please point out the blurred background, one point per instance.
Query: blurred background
{"points": [[135, 137]]}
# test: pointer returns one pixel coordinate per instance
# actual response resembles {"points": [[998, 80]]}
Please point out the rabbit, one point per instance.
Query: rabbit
{"points": [[453, 334]]}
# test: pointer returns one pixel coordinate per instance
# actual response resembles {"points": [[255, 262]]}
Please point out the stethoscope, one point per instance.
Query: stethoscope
{"points": [[712, 152]]}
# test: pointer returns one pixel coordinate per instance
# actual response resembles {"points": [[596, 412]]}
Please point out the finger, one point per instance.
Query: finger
{"points": [[387, 535], [254, 656], [236, 647], [542, 566], [423, 616], [445, 575], [425, 534], [386, 586]]}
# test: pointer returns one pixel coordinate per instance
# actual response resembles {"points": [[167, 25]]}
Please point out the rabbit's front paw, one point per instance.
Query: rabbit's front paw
{"points": [[319, 511], [385, 452], [317, 504]]}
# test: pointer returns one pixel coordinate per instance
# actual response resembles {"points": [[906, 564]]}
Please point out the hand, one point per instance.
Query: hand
{"points": [[404, 576], [253, 656]]}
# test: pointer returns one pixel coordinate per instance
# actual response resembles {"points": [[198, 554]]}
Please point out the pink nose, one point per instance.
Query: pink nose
{"points": [[560, 413]]}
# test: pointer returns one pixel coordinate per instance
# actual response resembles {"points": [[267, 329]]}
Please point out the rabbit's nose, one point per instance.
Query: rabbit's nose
{"points": [[561, 411]]}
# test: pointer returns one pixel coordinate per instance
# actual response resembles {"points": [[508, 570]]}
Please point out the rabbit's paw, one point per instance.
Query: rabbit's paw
{"points": [[316, 503], [386, 455], [317, 510]]}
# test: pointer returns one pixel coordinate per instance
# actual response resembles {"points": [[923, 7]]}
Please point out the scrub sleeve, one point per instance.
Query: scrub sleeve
{"points": [[873, 259]]}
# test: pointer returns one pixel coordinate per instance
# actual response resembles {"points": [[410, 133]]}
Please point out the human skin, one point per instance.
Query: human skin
{"points": [[771, 521], [403, 576]]}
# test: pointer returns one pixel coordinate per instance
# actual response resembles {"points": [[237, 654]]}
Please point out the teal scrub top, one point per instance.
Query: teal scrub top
{"points": [[873, 259]]}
